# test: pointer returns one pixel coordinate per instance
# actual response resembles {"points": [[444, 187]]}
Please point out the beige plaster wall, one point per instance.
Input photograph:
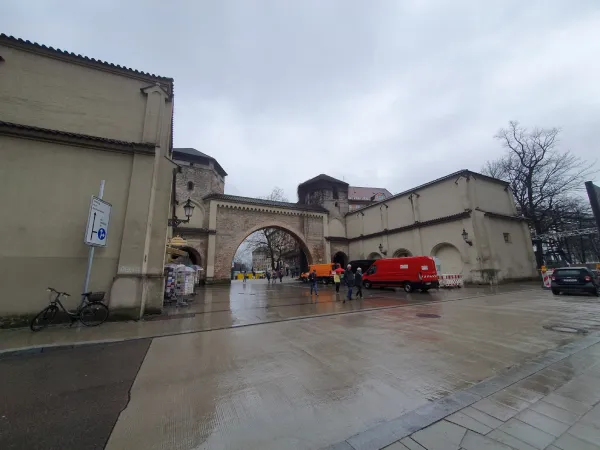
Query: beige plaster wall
{"points": [[45, 192], [50, 93]]}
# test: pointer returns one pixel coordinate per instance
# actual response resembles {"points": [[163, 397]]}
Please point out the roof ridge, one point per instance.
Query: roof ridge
{"points": [[26, 42]]}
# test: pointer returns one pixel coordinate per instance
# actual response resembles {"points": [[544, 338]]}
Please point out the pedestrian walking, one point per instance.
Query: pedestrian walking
{"points": [[336, 280], [312, 279], [268, 274], [358, 283], [349, 280], [244, 274], [281, 275]]}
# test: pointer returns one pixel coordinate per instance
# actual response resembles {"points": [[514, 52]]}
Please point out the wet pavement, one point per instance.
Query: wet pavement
{"points": [[311, 373], [218, 307], [68, 399], [310, 383]]}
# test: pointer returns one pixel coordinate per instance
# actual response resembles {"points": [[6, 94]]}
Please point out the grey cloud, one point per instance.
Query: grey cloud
{"points": [[380, 93]]}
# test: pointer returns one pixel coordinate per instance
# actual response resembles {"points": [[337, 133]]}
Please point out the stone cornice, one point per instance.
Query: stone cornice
{"points": [[268, 209], [73, 139]]}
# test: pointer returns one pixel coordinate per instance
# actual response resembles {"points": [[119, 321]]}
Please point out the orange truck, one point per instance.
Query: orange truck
{"points": [[324, 272]]}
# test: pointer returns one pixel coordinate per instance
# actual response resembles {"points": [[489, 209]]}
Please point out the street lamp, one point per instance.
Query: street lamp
{"points": [[188, 210], [465, 236]]}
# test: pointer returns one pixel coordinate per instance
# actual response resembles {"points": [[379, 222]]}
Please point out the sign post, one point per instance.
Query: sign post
{"points": [[96, 231]]}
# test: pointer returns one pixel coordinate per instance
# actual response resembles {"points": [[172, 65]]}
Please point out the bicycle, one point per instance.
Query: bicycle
{"points": [[91, 311]]}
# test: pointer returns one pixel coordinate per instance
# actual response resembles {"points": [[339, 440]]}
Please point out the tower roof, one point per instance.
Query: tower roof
{"points": [[323, 177]]}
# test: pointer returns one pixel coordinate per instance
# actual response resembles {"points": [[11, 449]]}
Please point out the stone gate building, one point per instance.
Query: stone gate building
{"points": [[467, 220]]}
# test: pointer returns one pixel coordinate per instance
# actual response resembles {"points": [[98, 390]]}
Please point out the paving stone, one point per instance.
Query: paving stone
{"points": [[411, 444], [552, 447], [511, 401], [442, 435], [397, 446], [463, 420], [527, 433], [490, 386], [376, 437], [495, 409], [482, 417], [582, 389], [569, 442], [524, 393], [560, 414], [544, 423], [586, 433], [507, 439], [341, 446], [567, 403], [475, 441], [592, 418]]}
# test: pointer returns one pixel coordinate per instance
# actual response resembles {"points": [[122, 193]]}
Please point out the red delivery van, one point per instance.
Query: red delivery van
{"points": [[413, 272]]}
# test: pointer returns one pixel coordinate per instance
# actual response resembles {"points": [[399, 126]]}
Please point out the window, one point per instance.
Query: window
{"points": [[190, 185], [372, 270], [335, 193], [507, 238]]}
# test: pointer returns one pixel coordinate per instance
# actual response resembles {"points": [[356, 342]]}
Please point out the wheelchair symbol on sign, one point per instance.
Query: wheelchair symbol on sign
{"points": [[101, 234]]}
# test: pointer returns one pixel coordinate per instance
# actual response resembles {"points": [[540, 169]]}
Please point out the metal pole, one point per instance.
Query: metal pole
{"points": [[91, 253]]}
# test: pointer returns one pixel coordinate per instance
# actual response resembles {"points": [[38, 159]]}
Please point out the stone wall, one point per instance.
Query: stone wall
{"points": [[205, 181], [234, 223]]}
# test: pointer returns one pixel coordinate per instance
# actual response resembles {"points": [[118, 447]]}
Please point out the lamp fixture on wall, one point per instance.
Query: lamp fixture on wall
{"points": [[465, 236], [381, 250], [188, 210]]}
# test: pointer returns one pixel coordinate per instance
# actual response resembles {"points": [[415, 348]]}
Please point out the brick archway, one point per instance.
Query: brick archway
{"points": [[280, 226], [233, 219]]}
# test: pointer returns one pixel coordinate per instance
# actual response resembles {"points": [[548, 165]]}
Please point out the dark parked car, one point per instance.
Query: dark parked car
{"points": [[575, 279]]}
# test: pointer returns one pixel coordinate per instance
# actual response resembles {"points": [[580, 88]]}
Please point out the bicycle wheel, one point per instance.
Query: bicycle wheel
{"points": [[93, 314], [44, 318]]}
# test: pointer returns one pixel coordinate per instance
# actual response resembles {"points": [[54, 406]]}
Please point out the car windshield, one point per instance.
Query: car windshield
{"points": [[570, 272]]}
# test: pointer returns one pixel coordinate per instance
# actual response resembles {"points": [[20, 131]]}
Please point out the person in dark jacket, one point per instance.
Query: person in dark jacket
{"points": [[358, 283], [349, 280], [312, 278]]}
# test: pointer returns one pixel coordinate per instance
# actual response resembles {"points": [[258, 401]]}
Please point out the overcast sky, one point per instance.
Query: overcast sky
{"points": [[379, 93]]}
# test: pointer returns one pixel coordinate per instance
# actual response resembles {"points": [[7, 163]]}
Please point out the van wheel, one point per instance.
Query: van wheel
{"points": [[367, 284], [555, 291], [408, 287]]}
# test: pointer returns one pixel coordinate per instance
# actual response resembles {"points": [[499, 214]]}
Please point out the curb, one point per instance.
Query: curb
{"points": [[52, 347], [391, 431]]}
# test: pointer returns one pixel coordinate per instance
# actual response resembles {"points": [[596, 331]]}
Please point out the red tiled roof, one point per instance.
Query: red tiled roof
{"points": [[366, 193]]}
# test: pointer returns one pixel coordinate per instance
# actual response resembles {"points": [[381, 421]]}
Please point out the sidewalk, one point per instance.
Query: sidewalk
{"points": [[550, 403]]}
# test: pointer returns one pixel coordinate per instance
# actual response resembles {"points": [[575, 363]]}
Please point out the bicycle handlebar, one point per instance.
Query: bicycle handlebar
{"points": [[58, 292]]}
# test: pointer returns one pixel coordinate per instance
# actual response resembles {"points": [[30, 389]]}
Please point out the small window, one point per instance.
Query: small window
{"points": [[335, 193], [336, 204], [507, 238], [190, 185]]}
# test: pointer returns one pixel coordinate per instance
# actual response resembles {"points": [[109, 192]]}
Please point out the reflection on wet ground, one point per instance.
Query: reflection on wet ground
{"points": [[305, 384], [217, 307]]}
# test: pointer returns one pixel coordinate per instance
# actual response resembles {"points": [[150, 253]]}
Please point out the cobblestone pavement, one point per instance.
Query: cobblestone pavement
{"points": [[557, 408]]}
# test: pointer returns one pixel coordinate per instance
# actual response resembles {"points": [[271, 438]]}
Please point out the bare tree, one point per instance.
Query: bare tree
{"points": [[275, 241], [541, 176]]}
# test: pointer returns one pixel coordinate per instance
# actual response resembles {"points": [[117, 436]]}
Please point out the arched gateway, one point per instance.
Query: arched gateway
{"points": [[234, 218], [432, 216]]}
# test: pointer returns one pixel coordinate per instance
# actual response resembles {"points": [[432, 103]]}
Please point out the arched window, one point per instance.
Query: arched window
{"points": [[190, 185]]}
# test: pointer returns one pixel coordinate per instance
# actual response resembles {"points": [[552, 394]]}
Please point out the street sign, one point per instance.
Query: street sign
{"points": [[96, 231]]}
